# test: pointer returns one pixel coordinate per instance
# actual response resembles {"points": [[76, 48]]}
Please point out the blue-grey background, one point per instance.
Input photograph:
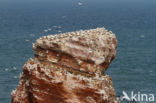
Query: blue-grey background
{"points": [[133, 22]]}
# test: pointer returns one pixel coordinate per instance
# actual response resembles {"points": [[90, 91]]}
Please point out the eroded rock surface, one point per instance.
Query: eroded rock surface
{"points": [[69, 68]]}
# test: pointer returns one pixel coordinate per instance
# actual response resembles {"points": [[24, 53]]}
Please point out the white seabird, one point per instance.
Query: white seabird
{"points": [[79, 3]]}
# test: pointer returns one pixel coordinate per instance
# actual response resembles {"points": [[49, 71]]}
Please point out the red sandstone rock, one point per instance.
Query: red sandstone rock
{"points": [[68, 68]]}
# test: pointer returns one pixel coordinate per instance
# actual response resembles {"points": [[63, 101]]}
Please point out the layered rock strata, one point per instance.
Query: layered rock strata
{"points": [[69, 68]]}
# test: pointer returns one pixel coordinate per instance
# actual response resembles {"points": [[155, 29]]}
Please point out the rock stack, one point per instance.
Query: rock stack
{"points": [[69, 68]]}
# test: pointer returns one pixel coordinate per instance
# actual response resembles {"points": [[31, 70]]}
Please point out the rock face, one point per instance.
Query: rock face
{"points": [[69, 68]]}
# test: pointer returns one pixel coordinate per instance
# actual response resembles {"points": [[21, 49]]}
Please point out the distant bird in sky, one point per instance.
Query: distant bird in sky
{"points": [[59, 31], [79, 3], [45, 30], [27, 40], [49, 29]]}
